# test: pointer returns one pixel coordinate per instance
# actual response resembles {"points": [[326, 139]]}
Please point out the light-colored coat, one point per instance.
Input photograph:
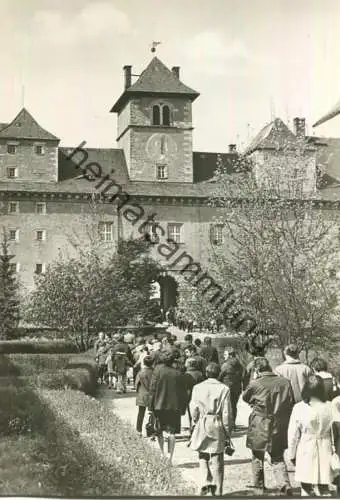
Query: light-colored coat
{"points": [[211, 410], [297, 374], [309, 442]]}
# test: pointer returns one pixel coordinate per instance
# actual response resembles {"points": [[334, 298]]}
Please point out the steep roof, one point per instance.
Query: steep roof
{"points": [[155, 79], [24, 126], [206, 164], [111, 161], [331, 114], [275, 135]]}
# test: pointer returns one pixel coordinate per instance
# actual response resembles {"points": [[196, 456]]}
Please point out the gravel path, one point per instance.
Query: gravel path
{"points": [[237, 468]]}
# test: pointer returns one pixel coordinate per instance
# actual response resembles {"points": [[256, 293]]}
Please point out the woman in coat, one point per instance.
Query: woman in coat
{"points": [[309, 439], [211, 412], [143, 381]]}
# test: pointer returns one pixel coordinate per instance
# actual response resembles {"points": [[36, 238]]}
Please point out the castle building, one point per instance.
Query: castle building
{"points": [[54, 199]]}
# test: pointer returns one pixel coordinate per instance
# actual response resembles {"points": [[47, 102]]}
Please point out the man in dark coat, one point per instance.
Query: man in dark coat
{"points": [[122, 359], [168, 401], [208, 352], [272, 400], [231, 375]]}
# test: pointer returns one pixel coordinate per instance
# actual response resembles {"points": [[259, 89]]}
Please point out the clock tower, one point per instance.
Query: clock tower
{"points": [[155, 124]]}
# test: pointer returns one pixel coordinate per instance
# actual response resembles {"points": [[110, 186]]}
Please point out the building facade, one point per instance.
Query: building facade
{"points": [[54, 199]]}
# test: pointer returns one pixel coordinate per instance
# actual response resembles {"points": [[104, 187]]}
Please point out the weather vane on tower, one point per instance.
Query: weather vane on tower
{"points": [[154, 45]]}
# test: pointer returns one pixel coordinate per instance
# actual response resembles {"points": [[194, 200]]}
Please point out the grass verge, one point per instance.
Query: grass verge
{"points": [[116, 448]]}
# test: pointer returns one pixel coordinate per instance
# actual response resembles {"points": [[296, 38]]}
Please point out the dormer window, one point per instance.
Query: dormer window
{"points": [[161, 115]]}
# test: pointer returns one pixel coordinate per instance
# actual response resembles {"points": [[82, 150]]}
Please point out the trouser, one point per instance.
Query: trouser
{"points": [[234, 397], [278, 466], [140, 418], [121, 383], [212, 470], [101, 371]]}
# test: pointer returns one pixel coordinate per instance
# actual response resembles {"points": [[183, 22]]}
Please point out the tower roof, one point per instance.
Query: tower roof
{"points": [[155, 79], [24, 126], [275, 135]]}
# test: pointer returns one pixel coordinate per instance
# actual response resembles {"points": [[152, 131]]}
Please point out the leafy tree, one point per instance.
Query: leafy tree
{"points": [[83, 295], [9, 293], [279, 251]]}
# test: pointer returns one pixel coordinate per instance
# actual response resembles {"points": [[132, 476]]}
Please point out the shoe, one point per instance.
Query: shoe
{"points": [[204, 491], [287, 491]]}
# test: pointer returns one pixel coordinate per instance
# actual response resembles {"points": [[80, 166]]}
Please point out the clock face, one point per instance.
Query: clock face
{"points": [[160, 147]]}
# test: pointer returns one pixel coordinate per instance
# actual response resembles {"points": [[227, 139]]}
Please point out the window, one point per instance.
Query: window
{"points": [[106, 231], [166, 115], [217, 234], [13, 235], [12, 172], [13, 207], [14, 267], [11, 149], [150, 232], [174, 232], [162, 172], [39, 150], [156, 115], [161, 114], [39, 268], [40, 208], [40, 235]]}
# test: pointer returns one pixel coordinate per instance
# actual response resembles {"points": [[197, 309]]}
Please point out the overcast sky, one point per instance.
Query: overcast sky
{"points": [[249, 59]]}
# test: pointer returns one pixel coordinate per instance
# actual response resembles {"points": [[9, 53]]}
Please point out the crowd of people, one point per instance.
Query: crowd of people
{"points": [[295, 409]]}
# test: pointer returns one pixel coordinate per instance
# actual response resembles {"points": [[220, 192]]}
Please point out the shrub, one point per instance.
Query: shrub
{"points": [[116, 444], [30, 364], [32, 347], [78, 379]]}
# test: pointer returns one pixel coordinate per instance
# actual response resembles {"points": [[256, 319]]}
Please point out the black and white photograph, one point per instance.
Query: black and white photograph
{"points": [[169, 248]]}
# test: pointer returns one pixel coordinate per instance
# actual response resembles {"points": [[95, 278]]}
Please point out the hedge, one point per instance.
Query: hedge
{"points": [[116, 444], [31, 364], [34, 347], [53, 371]]}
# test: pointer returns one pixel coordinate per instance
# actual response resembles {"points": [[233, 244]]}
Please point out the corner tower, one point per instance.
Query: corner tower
{"points": [[155, 124]]}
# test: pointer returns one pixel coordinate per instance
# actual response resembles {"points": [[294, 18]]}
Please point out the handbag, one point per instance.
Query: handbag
{"points": [[229, 448], [150, 426], [335, 460]]}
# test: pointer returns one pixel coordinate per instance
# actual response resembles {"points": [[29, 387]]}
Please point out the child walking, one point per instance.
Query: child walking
{"points": [[143, 380]]}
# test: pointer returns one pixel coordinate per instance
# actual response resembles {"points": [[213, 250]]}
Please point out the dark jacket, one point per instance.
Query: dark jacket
{"points": [[272, 400], [143, 381], [167, 389], [192, 377], [249, 373], [231, 374], [209, 353], [123, 347]]}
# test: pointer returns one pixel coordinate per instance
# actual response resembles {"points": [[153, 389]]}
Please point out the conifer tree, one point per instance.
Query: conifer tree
{"points": [[9, 293]]}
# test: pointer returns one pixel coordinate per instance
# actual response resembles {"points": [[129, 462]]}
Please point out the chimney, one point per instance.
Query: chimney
{"points": [[300, 127], [232, 148], [175, 70], [127, 76]]}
